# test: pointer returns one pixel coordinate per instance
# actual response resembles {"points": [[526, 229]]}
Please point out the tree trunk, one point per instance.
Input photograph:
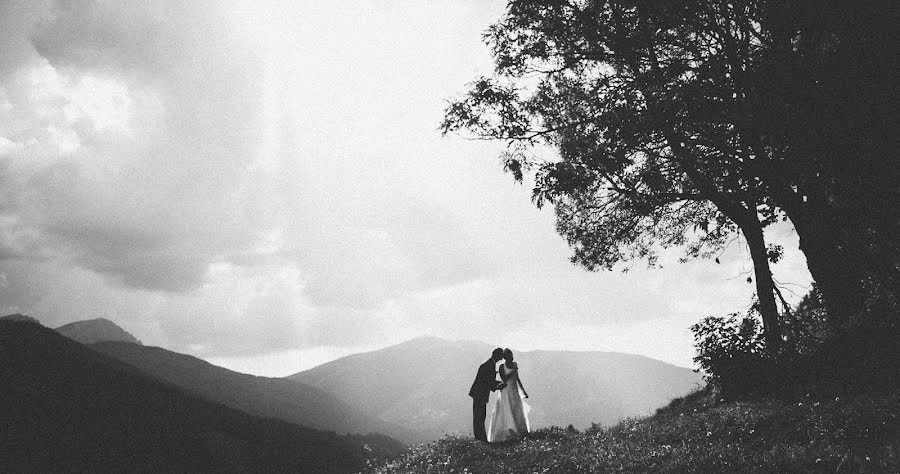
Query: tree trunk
{"points": [[746, 218], [838, 272], [765, 285]]}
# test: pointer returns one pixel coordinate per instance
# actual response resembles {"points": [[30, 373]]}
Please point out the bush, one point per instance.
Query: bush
{"points": [[813, 357], [806, 328], [731, 353]]}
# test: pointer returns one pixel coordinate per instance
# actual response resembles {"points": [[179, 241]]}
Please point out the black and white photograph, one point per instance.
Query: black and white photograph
{"points": [[449, 236]]}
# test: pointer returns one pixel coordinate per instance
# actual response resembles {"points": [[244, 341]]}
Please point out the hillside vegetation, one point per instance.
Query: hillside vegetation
{"points": [[695, 434]]}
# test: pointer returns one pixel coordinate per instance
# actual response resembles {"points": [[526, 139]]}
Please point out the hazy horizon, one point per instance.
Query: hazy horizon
{"points": [[282, 365], [260, 184], [326, 355]]}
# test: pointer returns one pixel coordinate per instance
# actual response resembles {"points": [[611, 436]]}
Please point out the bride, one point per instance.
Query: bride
{"points": [[510, 417]]}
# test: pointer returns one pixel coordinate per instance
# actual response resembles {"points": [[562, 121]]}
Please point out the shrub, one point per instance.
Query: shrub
{"points": [[805, 329], [813, 357], [731, 353]]}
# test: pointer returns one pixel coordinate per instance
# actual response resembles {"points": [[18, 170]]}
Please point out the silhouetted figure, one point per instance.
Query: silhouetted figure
{"points": [[510, 417], [485, 382]]}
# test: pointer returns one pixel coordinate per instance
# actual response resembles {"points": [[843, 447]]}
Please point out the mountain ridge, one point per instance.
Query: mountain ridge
{"points": [[272, 397], [18, 317], [89, 331], [423, 383], [490, 347]]}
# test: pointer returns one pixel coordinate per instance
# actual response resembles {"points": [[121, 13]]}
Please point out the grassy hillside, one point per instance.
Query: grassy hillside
{"points": [[696, 434]]}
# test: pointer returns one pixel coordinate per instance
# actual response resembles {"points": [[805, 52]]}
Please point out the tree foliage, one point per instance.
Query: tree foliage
{"points": [[679, 123], [638, 100]]}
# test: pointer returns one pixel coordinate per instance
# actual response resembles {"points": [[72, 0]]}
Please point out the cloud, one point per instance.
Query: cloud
{"points": [[128, 139], [155, 154], [138, 145], [236, 178], [17, 21]]}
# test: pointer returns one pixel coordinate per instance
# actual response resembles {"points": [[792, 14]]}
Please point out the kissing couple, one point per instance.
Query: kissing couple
{"points": [[509, 419]]}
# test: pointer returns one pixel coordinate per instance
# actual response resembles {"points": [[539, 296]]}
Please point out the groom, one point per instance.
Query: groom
{"points": [[485, 382]]}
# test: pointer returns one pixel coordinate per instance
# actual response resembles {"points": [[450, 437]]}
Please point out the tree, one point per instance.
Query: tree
{"points": [[637, 106], [820, 102], [670, 113]]}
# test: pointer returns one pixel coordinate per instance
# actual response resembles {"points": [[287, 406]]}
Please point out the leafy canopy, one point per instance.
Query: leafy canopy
{"points": [[645, 103]]}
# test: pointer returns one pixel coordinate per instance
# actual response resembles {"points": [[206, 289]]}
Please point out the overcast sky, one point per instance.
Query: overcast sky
{"points": [[262, 184]]}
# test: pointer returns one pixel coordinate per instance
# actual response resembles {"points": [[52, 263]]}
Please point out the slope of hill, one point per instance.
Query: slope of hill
{"points": [[96, 330], [423, 384], [285, 399], [65, 407], [699, 434], [857, 434]]}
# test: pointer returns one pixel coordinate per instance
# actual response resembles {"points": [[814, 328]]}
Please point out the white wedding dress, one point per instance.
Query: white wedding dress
{"points": [[510, 417]]}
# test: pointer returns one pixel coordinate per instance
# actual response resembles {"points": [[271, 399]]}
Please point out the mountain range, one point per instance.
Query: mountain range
{"points": [[280, 398], [423, 385], [67, 408], [413, 392]]}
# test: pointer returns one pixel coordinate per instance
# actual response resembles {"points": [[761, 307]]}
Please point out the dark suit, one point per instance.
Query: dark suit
{"points": [[485, 382]]}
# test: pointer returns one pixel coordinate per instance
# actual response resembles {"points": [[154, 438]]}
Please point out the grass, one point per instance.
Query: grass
{"points": [[695, 434]]}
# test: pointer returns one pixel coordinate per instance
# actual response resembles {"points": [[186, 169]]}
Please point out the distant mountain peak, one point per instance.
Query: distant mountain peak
{"points": [[424, 340], [96, 330], [439, 341], [426, 337], [19, 318]]}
